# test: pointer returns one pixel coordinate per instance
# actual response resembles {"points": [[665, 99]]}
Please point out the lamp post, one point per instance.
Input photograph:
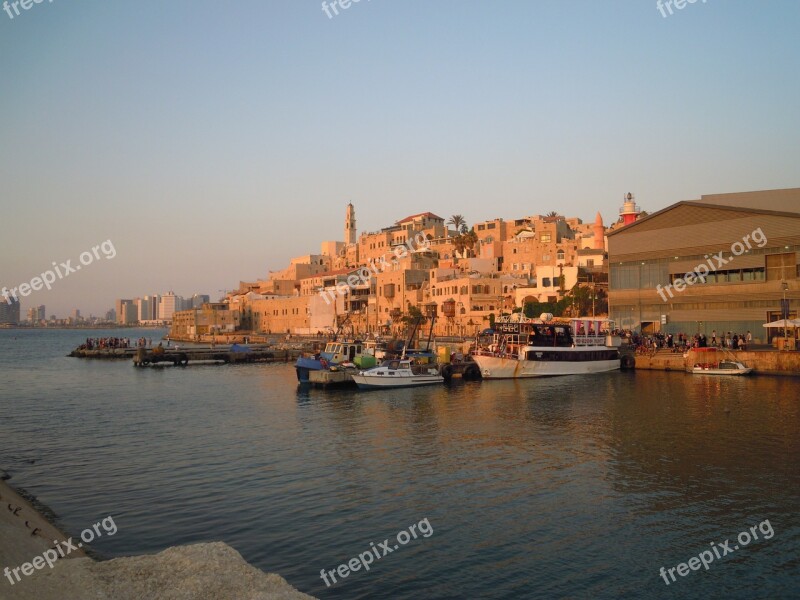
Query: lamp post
{"points": [[784, 311]]}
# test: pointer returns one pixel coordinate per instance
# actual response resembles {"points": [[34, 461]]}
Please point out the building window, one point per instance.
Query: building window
{"points": [[545, 237], [781, 266], [560, 255]]}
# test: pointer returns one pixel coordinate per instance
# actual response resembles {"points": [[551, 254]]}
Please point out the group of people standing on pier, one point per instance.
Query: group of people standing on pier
{"points": [[115, 342]]}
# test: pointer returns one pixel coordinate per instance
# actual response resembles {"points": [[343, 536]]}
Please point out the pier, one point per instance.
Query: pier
{"points": [[144, 357]]}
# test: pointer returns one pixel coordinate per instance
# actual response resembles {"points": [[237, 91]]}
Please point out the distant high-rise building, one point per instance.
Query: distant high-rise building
{"points": [[76, 314], [111, 316], [9, 311], [126, 312], [168, 305], [198, 300]]}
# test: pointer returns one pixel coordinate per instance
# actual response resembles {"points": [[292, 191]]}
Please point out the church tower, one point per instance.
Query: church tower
{"points": [[350, 225]]}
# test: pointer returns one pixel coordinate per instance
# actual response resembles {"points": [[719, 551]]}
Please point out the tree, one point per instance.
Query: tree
{"points": [[470, 240], [459, 244], [552, 213], [457, 221]]}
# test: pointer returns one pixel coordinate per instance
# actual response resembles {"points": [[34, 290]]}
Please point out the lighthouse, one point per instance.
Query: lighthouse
{"points": [[630, 210]]}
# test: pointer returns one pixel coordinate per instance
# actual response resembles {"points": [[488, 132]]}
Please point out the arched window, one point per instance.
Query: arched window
{"points": [[560, 255]]}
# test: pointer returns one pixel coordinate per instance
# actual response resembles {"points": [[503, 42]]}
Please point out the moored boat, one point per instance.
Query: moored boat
{"points": [[544, 347], [397, 374], [713, 361], [335, 353]]}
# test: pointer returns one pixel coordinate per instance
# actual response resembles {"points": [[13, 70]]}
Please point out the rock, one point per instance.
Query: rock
{"points": [[199, 572]]}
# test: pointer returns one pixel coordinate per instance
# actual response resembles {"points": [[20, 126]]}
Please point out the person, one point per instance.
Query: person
{"points": [[749, 337], [714, 337]]}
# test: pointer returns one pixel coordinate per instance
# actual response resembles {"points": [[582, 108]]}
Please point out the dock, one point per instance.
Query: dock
{"points": [[226, 356], [144, 357]]}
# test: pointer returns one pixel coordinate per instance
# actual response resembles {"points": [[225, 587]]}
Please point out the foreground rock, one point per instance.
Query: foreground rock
{"points": [[212, 571]]}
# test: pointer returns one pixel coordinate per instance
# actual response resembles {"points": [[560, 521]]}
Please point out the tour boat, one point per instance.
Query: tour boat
{"points": [[396, 374], [544, 347], [710, 361]]}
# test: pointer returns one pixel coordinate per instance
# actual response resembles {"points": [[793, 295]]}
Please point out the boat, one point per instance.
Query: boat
{"points": [[715, 361], [335, 353], [523, 347], [398, 373]]}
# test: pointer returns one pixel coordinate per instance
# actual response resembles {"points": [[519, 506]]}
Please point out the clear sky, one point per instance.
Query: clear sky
{"points": [[212, 141]]}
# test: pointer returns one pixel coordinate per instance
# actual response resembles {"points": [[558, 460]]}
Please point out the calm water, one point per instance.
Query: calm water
{"points": [[578, 487]]}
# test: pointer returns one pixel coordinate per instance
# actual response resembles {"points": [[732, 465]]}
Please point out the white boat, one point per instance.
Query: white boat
{"points": [[396, 374], [712, 361], [547, 347]]}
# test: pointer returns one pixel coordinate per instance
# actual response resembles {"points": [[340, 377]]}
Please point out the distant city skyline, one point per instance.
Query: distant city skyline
{"points": [[207, 164]]}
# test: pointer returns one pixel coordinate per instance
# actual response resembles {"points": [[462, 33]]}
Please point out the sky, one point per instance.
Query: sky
{"points": [[210, 142]]}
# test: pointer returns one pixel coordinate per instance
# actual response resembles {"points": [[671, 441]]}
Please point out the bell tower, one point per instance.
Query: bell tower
{"points": [[350, 225]]}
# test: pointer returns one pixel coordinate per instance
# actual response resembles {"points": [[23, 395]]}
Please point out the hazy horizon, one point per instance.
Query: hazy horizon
{"points": [[213, 143]]}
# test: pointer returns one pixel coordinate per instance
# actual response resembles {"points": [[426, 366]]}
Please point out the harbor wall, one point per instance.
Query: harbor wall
{"points": [[768, 362]]}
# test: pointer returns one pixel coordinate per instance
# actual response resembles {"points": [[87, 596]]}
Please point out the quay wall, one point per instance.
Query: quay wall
{"points": [[768, 362]]}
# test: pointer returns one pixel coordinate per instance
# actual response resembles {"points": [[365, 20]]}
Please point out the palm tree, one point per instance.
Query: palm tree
{"points": [[457, 221], [553, 213], [470, 239]]}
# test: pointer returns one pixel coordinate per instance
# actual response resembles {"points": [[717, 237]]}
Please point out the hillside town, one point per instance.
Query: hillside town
{"points": [[375, 283]]}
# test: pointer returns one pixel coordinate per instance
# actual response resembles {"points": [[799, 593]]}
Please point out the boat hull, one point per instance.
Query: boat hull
{"points": [[722, 372], [377, 382], [495, 367]]}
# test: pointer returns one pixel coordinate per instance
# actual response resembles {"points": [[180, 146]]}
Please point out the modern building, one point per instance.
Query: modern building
{"points": [[126, 312], [723, 263], [9, 311]]}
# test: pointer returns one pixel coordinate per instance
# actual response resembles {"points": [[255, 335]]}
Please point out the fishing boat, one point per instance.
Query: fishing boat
{"points": [[335, 353], [523, 347], [397, 374], [715, 361]]}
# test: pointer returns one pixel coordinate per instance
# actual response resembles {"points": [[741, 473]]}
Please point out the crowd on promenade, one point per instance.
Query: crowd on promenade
{"points": [[114, 343], [683, 342]]}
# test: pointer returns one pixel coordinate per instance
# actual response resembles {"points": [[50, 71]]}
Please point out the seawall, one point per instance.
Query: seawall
{"points": [[766, 362]]}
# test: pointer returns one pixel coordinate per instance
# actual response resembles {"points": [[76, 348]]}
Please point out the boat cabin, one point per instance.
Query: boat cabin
{"points": [[339, 352]]}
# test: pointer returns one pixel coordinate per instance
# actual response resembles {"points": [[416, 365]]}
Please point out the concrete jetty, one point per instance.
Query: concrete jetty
{"points": [[212, 571]]}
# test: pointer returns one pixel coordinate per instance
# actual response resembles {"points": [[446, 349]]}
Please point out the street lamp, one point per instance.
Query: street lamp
{"points": [[784, 310]]}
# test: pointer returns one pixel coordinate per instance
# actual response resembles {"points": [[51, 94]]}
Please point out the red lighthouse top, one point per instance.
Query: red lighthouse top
{"points": [[630, 210]]}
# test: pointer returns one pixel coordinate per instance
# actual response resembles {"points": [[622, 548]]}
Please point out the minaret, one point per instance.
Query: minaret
{"points": [[350, 225], [629, 211], [599, 233]]}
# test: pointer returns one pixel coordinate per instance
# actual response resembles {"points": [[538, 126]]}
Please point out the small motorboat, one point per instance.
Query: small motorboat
{"points": [[710, 361], [398, 374]]}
